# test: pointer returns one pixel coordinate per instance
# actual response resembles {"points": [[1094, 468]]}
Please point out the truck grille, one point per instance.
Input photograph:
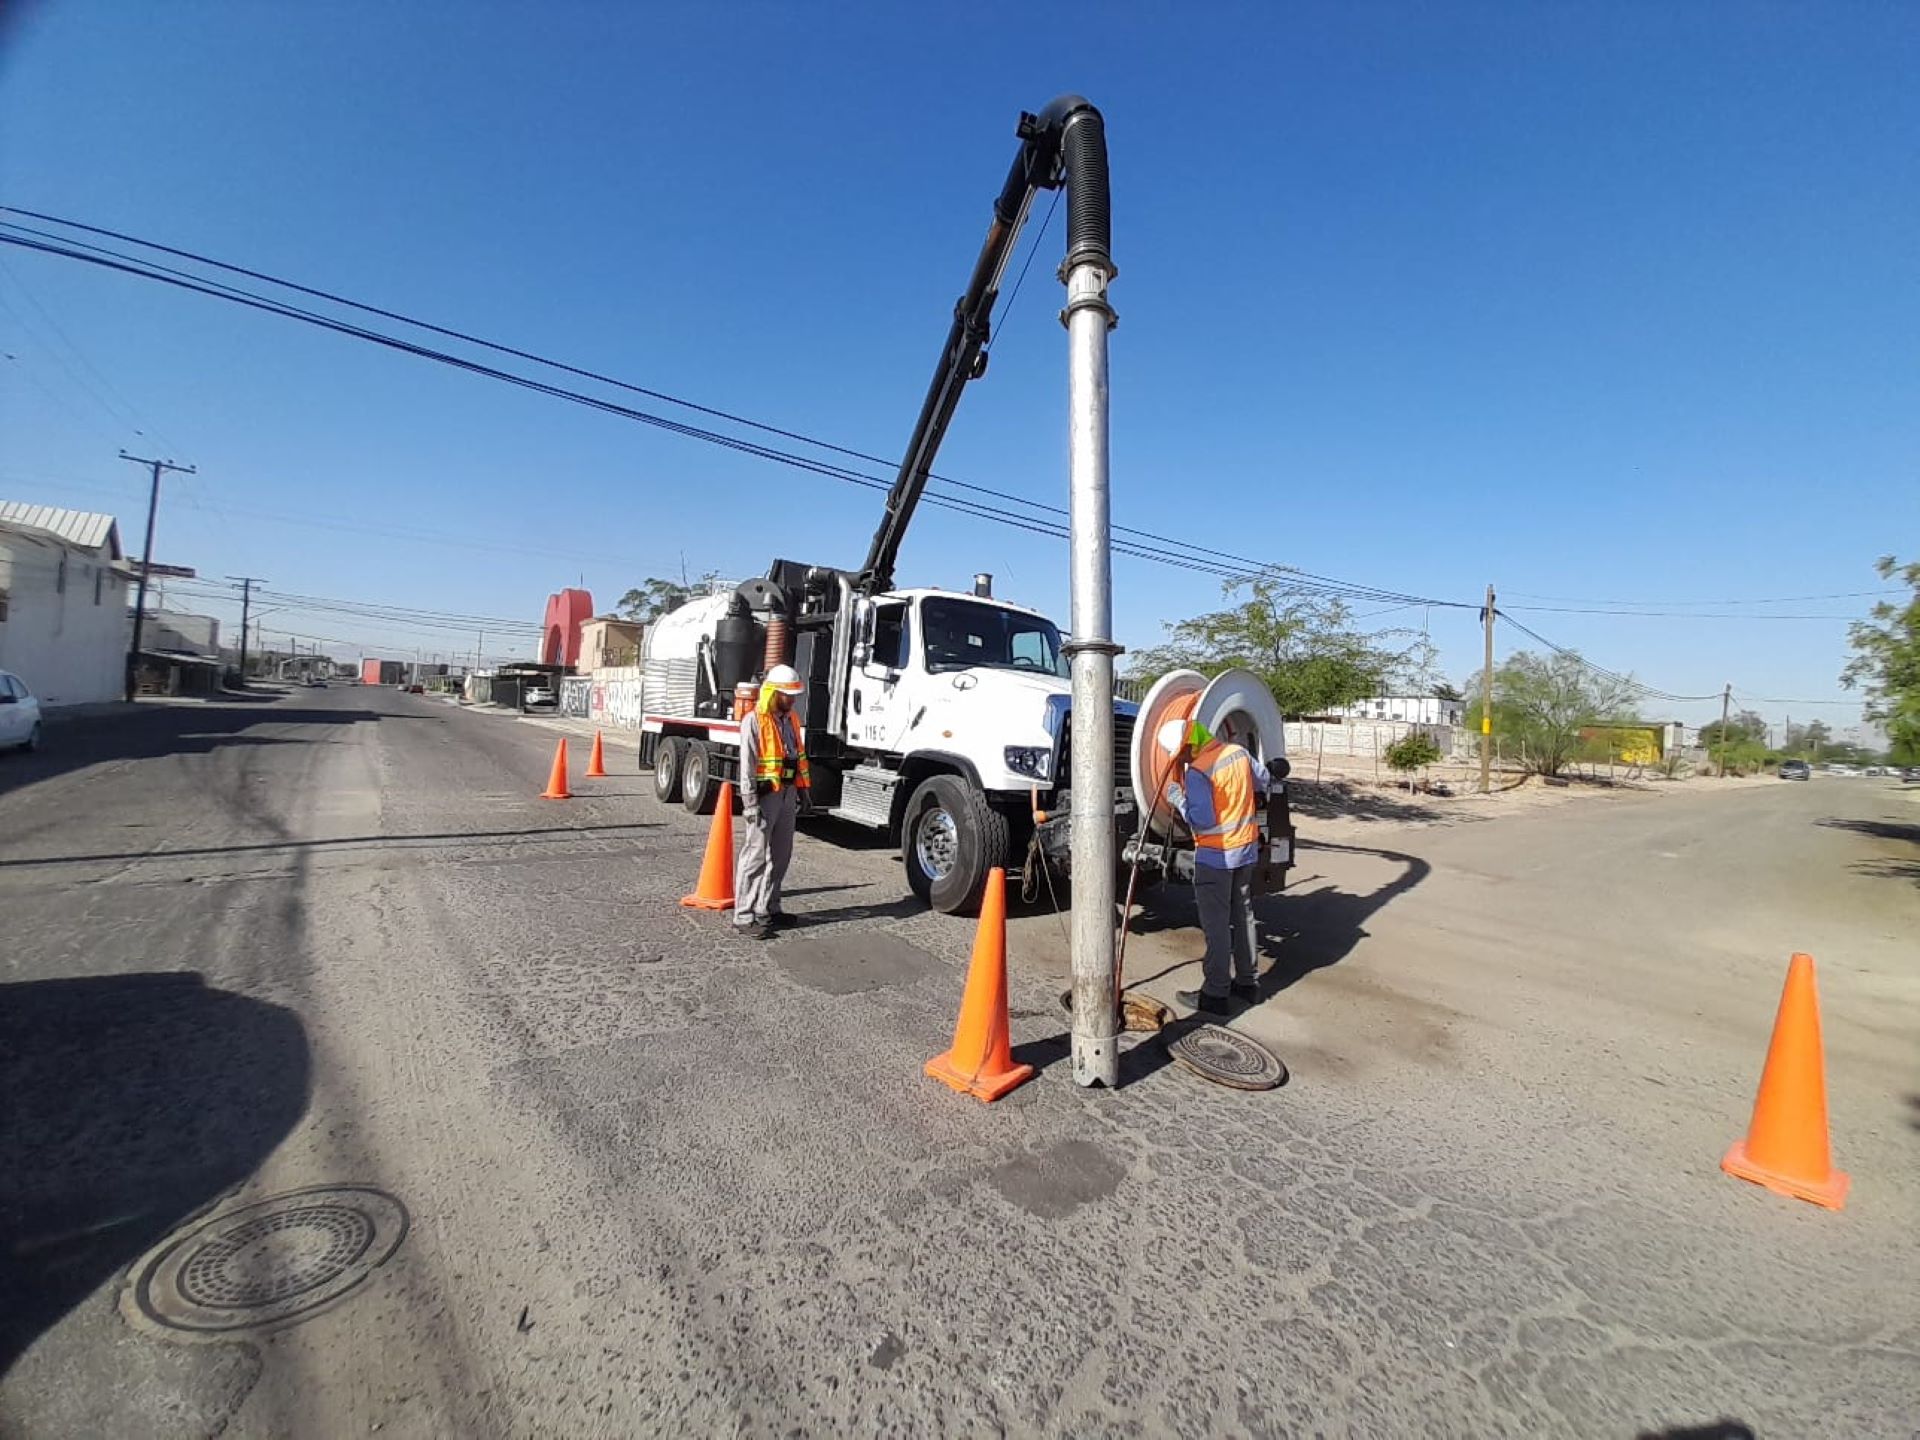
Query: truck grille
{"points": [[1122, 752]]}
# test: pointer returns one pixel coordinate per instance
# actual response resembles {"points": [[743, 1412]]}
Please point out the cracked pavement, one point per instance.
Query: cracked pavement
{"points": [[664, 1180]]}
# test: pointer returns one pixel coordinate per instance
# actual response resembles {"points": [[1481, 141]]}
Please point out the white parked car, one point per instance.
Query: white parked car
{"points": [[19, 714]]}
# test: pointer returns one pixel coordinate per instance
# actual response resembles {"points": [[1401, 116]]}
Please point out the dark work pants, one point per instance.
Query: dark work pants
{"points": [[1225, 898]]}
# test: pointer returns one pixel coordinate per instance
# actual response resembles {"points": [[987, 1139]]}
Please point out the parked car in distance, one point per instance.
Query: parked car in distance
{"points": [[19, 714], [1911, 774], [538, 697], [416, 689], [1795, 770]]}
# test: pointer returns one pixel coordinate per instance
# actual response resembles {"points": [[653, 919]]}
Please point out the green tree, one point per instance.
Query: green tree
{"points": [[1541, 704], [1303, 646], [654, 597], [1411, 752], [1886, 659], [1741, 726]]}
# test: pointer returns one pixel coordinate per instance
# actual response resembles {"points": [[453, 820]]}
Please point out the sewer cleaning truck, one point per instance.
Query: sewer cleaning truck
{"points": [[938, 717]]}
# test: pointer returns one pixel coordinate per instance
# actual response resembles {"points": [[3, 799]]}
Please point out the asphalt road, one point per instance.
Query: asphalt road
{"points": [[659, 1180]]}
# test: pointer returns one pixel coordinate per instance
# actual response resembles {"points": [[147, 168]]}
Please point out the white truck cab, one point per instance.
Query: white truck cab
{"points": [[960, 675]]}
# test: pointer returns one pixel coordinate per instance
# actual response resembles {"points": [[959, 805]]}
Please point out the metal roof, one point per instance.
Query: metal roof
{"points": [[83, 528]]}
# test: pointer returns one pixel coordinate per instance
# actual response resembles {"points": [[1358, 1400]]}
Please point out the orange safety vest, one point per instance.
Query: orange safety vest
{"points": [[780, 762], [1230, 827]]}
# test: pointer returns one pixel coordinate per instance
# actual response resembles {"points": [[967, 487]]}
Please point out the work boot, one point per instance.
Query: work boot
{"points": [[753, 930], [1200, 1000], [1245, 991]]}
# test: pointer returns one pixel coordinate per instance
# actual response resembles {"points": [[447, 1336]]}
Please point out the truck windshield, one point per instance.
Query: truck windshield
{"points": [[958, 634]]}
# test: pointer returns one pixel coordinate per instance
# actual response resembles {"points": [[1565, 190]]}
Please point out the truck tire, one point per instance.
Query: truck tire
{"points": [[666, 770], [697, 786], [950, 838]]}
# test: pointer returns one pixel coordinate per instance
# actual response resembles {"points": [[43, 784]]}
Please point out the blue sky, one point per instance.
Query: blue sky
{"points": [[1603, 302]]}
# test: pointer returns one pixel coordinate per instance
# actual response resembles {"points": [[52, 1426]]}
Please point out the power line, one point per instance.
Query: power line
{"points": [[123, 415], [1671, 614], [1769, 600], [1651, 691], [1184, 554], [1775, 700]]}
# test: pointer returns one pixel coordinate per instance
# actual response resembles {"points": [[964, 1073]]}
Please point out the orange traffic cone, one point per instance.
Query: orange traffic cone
{"points": [[596, 762], [715, 890], [557, 781], [1786, 1147], [980, 1062]]}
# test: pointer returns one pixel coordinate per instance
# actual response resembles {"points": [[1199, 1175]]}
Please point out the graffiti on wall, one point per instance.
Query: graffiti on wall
{"points": [[576, 691], [615, 698]]}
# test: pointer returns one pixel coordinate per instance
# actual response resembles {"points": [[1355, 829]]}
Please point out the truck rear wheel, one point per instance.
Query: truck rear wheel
{"points": [[950, 838], [666, 770], [697, 786]]}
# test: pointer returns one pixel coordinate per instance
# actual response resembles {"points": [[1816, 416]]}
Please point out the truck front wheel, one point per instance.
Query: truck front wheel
{"points": [[950, 838]]}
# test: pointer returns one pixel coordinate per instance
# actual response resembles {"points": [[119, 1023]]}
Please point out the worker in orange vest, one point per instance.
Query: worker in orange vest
{"points": [[1216, 788], [775, 787]]}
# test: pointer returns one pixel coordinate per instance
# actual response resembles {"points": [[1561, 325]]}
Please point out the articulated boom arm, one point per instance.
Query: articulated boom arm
{"points": [[1044, 160]]}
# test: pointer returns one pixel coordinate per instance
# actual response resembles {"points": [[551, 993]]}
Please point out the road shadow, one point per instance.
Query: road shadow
{"points": [[899, 909], [450, 839], [127, 1104], [144, 732], [844, 833], [1138, 1060], [1299, 931], [1712, 1430], [1896, 832]]}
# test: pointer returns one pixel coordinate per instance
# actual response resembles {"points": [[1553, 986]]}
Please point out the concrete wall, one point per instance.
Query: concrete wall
{"points": [[66, 632], [180, 630], [1357, 740], [616, 698]]}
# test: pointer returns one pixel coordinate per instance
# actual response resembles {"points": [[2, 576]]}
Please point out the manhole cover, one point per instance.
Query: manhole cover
{"points": [[269, 1263], [1226, 1057]]}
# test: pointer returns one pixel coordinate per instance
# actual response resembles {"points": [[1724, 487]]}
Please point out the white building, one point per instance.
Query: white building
{"points": [[64, 588], [184, 633], [1414, 709]]}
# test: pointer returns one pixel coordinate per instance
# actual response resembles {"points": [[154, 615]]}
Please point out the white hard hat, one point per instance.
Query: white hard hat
{"points": [[1172, 735], [785, 679]]}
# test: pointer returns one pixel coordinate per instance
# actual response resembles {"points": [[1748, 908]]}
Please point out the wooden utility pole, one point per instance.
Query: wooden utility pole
{"points": [[146, 560], [1726, 699], [247, 582], [1486, 703]]}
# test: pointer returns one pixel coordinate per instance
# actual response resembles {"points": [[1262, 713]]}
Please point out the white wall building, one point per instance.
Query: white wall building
{"points": [[64, 590], [1414, 709], [181, 631]]}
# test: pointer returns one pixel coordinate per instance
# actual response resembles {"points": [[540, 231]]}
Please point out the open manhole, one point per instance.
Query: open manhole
{"points": [[1226, 1057], [267, 1264]]}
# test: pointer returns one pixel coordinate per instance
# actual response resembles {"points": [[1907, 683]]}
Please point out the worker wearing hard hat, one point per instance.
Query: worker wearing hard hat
{"points": [[1215, 787], [774, 788]]}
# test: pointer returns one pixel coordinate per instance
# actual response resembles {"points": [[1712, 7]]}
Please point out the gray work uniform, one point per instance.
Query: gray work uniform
{"points": [[768, 816]]}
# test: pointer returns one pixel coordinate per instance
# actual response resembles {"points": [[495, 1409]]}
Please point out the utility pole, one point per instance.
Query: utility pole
{"points": [[1486, 702], [146, 559], [247, 582], [1726, 699]]}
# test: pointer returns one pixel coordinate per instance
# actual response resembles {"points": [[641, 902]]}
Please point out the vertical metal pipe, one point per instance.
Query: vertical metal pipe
{"points": [[1096, 1055]]}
